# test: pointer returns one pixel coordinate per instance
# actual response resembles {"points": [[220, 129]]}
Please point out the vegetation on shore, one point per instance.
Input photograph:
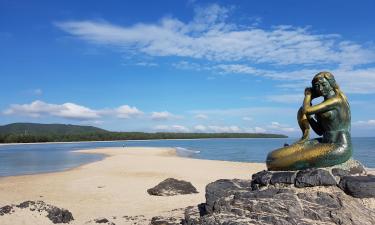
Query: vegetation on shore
{"points": [[34, 132]]}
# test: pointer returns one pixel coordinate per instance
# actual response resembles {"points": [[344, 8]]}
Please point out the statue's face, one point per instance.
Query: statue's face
{"points": [[322, 87]]}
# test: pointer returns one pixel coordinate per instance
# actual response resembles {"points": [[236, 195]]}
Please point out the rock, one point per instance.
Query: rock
{"points": [[351, 166], [25, 204], [358, 186], [340, 172], [158, 220], [171, 187], [101, 220], [283, 177], [314, 177], [262, 178], [233, 204], [5, 210], [221, 189], [57, 215]]}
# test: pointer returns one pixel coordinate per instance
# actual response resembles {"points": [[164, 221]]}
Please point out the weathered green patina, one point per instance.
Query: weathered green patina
{"points": [[329, 119]]}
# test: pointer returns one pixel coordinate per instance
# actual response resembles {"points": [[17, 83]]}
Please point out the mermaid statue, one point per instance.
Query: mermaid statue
{"points": [[330, 119]]}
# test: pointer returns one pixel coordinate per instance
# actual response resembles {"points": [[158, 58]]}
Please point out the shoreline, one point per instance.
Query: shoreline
{"points": [[116, 185], [178, 139]]}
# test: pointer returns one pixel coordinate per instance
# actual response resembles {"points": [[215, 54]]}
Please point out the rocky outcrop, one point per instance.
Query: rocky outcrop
{"points": [[55, 214], [338, 195], [171, 187], [276, 205]]}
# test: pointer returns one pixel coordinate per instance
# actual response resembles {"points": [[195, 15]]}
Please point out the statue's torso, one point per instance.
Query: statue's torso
{"points": [[335, 124]]}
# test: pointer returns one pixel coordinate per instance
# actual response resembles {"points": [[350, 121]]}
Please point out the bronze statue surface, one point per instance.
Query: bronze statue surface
{"points": [[329, 119]]}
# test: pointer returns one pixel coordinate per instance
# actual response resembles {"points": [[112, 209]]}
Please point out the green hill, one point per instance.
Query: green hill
{"points": [[35, 132], [47, 129]]}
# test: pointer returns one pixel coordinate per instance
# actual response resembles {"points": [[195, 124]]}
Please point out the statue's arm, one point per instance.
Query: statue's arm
{"points": [[325, 106], [315, 125]]}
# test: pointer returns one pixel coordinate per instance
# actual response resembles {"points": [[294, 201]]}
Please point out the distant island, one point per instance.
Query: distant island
{"points": [[35, 132]]}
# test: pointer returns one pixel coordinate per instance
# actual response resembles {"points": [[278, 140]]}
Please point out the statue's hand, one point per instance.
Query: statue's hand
{"points": [[308, 91]]}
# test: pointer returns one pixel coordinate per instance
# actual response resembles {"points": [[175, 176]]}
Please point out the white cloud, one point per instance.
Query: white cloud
{"points": [[69, 111], [225, 129], [126, 112], [200, 128], [66, 110], [361, 123], [149, 64], [201, 116], [209, 36], [276, 126], [172, 128], [252, 112], [163, 116], [246, 118]]}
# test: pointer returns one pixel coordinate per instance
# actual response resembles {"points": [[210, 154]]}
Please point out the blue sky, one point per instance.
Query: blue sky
{"points": [[185, 66]]}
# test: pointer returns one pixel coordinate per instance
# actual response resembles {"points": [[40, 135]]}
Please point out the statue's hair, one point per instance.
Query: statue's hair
{"points": [[331, 80]]}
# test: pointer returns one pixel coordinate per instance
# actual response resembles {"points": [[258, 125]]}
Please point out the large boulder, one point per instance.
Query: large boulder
{"points": [[358, 186], [171, 186], [275, 205]]}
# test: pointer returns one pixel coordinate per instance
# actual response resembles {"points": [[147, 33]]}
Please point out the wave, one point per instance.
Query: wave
{"points": [[184, 152]]}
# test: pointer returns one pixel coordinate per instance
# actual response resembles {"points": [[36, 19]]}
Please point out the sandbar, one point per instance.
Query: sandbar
{"points": [[116, 187]]}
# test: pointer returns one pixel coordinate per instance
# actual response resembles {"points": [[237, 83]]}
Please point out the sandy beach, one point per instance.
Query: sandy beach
{"points": [[115, 187]]}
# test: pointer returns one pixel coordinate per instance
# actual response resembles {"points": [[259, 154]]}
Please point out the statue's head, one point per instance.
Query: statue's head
{"points": [[324, 84]]}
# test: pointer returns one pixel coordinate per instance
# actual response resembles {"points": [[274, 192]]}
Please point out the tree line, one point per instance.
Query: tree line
{"points": [[112, 136]]}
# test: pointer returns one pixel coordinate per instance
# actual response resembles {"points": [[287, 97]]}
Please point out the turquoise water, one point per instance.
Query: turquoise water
{"points": [[42, 158]]}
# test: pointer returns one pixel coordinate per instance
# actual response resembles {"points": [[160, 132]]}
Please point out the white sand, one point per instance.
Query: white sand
{"points": [[116, 186]]}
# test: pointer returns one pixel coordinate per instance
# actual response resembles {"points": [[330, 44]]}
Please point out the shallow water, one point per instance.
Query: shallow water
{"points": [[42, 158]]}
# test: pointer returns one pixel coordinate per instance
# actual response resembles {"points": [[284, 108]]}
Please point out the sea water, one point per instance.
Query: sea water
{"points": [[24, 159]]}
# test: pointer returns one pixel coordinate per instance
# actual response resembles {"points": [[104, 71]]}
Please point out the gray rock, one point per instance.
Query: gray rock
{"points": [[283, 177], [57, 215], [101, 220], [262, 178], [158, 220], [220, 189], [352, 166], [25, 204], [314, 177], [171, 187], [340, 172], [358, 186], [231, 202], [5, 210]]}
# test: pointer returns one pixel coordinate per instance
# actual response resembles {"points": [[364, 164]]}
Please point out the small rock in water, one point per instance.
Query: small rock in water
{"points": [[171, 187]]}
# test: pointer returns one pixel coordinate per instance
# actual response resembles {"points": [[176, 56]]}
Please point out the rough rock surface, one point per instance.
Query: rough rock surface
{"points": [[277, 205], [55, 214], [349, 176], [314, 177], [5, 210], [358, 186], [159, 220], [171, 187]]}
